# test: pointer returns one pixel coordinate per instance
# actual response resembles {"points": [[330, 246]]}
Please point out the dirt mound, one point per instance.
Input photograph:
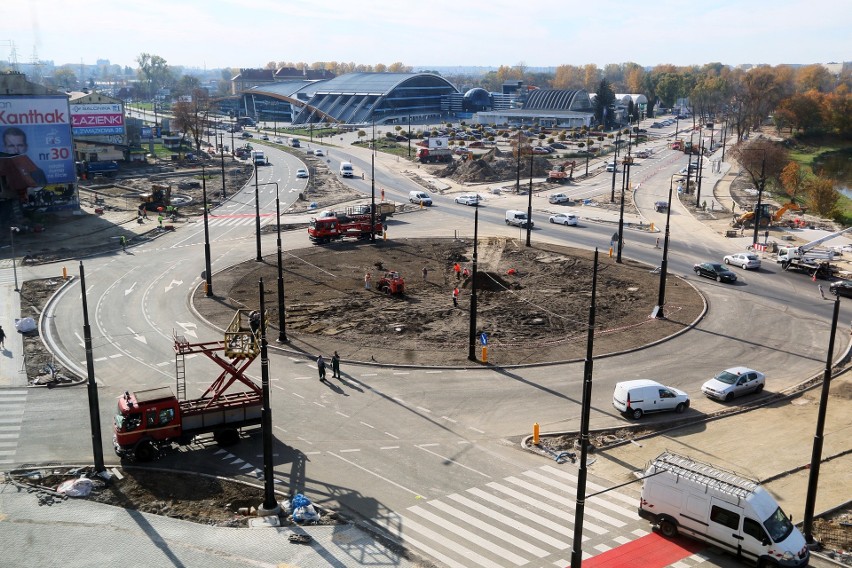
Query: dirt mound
{"points": [[490, 168], [533, 302]]}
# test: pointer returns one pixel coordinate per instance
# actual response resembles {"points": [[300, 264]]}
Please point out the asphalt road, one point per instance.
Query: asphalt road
{"points": [[385, 439]]}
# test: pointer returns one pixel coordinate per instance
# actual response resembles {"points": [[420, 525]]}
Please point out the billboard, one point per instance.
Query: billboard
{"points": [[39, 127], [97, 119]]}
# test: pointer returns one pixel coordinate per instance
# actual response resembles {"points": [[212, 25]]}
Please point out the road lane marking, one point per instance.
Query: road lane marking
{"points": [[368, 426], [392, 436], [383, 478], [426, 410], [445, 458], [343, 415], [389, 448], [352, 450]]}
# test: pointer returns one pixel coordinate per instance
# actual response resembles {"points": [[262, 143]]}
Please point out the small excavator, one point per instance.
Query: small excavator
{"points": [[561, 174], [746, 220]]}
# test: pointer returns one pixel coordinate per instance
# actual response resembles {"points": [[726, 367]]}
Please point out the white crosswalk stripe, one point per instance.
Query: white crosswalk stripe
{"points": [[523, 520], [12, 405]]}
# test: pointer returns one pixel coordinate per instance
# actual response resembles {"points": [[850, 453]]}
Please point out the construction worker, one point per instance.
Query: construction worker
{"points": [[123, 240], [321, 368], [367, 278], [456, 297], [335, 366], [457, 270], [425, 273]]}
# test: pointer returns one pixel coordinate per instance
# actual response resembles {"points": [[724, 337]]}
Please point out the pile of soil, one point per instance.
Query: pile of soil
{"points": [[490, 168], [533, 302]]}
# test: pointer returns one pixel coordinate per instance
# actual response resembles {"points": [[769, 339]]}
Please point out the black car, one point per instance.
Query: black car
{"points": [[716, 271], [841, 288], [558, 146]]}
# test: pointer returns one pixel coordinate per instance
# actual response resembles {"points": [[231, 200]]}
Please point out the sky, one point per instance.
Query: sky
{"points": [[424, 34]]}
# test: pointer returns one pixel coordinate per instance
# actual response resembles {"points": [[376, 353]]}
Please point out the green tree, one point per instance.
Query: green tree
{"points": [[154, 72], [604, 103]]}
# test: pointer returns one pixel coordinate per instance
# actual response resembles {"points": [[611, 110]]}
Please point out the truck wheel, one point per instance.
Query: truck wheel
{"points": [[227, 437], [145, 452], [668, 528], [636, 413]]}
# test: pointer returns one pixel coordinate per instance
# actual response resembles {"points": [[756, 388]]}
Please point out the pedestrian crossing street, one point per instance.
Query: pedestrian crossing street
{"points": [[522, 520], [12, 404]]}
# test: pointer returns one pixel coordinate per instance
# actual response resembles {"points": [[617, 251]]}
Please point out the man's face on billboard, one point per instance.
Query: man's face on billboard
{"points": [[15, 144]]}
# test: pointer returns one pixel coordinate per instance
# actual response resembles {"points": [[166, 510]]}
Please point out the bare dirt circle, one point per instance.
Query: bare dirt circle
{"points": [[532, 302]]}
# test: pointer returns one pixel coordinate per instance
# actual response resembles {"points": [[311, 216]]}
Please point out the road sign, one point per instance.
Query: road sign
{"points": [[483, 339]]}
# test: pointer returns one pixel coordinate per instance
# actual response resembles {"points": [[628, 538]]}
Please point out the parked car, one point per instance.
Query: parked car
{"points": [[540, 150], [558, 146], [716, 271], [301, 173], [656, 125], [567, 219], [461, 150], [745, 260], [639, 397], [841, 288], [476, 144], [468, 199], [734, 382], [558, 198]]}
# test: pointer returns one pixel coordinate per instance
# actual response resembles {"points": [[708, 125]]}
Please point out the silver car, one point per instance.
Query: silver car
{"points": [[745, 260], [733, 382]]}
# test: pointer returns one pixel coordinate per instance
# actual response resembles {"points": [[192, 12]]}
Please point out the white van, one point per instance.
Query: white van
{"points": [[518, 219], [610, 166], [639, 397], [419, 198], [346, 170], [681, 495]]}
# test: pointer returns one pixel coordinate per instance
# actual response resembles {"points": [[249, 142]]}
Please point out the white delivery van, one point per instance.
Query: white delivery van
{"points": [[346, 170], [699, 500], [639, 397], [419, 198], [518, 219]]}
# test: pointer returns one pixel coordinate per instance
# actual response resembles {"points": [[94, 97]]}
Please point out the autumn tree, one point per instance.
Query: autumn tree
{"points": [[792, 180], [191, 117], [591, 77], [568, 77], [822, 198], [761, 157], [814, 78], [837, 111]]}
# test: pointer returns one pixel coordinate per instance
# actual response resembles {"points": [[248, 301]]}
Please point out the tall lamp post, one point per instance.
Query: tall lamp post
{"points": [[222, 150], [615, 160], [257, 214], [12, 231], [409, 136], [625, 181], [529, 201], [282, 331], [761, 185], [471, 351], [208, 277], [664, 266]]}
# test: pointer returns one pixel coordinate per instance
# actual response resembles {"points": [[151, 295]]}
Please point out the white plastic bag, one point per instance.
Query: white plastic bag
{"points": [[25, 325], [80, 487], [305, 514]]}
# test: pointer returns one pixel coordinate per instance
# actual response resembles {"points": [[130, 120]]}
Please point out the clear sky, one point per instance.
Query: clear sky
{"points": [[537, 33]]}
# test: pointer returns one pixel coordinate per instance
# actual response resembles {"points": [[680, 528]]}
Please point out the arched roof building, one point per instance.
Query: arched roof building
{"points": [[354, 98]]}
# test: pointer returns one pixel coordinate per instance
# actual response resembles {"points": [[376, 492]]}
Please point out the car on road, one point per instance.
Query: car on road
{"points": [[611, 167], [715, 271], [247, 135], [642, 154], [301, 173], [734, 382], [841, 288], [567, 219], [265, 137], [278, 141], [319, 152], [558, 198], [745, 260], [461, 150], [468, 199], [661, 206]]}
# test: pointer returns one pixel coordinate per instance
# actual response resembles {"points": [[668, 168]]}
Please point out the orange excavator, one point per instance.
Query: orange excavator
{"points": [[562, 174], [787, 207]]}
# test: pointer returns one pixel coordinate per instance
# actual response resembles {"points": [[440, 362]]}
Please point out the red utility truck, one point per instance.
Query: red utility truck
{"points": [[147, 421], [326, 229]]}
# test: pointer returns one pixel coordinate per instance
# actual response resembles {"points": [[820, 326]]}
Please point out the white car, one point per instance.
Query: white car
{"points": [[558, 198], [733, 382], [468, 199], [301, 173], [279, 141], [319, 152], [745, 260], [567, 219]]}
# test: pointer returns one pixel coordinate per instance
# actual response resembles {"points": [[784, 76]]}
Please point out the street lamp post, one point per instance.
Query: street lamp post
{"points": [[282, 332], [409, 136], [373, 198], [615, 161], [625, 181], [222, 154], [759, 196], [12, 231], [471, 351], [529, 201], [664, 266], [699, 161], [208, 276], [257, 214], [518, 151]]}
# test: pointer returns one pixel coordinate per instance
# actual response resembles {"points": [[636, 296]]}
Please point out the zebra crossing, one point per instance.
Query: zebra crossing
{"points": [[231, 221], [12, 404], [522, 520]]}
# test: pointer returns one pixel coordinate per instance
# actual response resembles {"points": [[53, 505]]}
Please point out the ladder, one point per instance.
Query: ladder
{"points": [[180, 369]]}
